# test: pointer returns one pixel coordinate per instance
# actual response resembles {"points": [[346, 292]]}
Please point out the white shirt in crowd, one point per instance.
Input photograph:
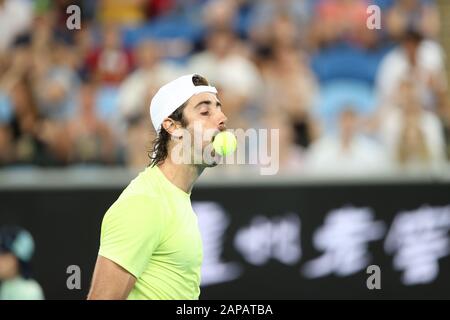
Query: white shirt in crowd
{"points": [[363, 157], [15, 18], [395, 68]]}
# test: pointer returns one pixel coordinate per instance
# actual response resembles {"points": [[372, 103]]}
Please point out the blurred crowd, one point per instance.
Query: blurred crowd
{"points": [[345, 98]]}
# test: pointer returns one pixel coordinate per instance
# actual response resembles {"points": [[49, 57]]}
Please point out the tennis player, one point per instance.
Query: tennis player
{"points": [[150, 244]]}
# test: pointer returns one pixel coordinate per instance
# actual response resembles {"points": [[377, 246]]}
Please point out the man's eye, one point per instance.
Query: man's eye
{"points": [[204, 113]]}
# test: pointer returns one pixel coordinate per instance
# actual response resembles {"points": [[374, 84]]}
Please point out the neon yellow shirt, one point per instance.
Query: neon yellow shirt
{"points": [[152, 232]]}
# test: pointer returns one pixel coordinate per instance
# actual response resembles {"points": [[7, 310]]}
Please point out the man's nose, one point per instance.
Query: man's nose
{"points": [[222, 121]]}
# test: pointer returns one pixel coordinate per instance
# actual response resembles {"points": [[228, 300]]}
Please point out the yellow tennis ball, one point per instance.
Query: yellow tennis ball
{"points": [[225, 143]]}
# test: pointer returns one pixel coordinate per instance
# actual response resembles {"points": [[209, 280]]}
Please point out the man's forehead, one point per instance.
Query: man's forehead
{"points": [[204, 96]]}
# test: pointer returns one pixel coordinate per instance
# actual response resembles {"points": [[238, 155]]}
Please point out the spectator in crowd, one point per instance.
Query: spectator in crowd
{"points": [[16, 251], [290, 155], [338, 20], [110, 63], [15, 18], [413, 135], [290, 88], [422, 15], [281, 23], [417, 58], [37, 140], [220, 14], [55, 82], [91, 138], [348, 152]]}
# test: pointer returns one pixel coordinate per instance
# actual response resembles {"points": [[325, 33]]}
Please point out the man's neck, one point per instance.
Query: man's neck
{"points": [[181, 175]]}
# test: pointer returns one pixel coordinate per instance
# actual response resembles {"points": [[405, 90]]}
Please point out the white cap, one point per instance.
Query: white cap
{"points": [[171, 96]]}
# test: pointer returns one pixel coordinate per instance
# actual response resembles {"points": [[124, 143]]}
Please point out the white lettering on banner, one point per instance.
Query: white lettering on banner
{"points": [[418, 239], [213, 222], [277, 238], [344, 239]]}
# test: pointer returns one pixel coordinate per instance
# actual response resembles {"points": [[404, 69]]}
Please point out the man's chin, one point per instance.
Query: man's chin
{"points": [[212, 165]]}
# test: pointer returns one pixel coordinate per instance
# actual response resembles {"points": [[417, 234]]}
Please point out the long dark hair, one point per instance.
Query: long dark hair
{"points": [[159, 151]]}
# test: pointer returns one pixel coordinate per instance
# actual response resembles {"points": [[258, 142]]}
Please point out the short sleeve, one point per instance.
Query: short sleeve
{"points": [[131, 231]]}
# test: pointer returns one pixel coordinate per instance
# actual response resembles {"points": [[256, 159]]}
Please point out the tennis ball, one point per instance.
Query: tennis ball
{"points": [[224, 143]]}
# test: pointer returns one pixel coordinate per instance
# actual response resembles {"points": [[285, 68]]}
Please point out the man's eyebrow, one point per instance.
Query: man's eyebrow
{"points": [[208, 102]]}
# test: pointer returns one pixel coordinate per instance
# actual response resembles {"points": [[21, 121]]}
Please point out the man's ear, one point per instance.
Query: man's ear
{"points": [[171, 126]]}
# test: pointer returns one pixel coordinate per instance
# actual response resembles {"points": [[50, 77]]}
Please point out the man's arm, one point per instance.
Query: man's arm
{"points": [[110, 281]]}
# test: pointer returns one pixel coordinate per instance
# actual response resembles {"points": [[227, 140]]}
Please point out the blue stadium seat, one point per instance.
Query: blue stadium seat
{"points": [[346, 61], [166, 27]]}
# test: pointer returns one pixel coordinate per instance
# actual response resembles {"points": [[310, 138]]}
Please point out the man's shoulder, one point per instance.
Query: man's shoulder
{"points": [[136, 209], [144, 186], [140, 194]]}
